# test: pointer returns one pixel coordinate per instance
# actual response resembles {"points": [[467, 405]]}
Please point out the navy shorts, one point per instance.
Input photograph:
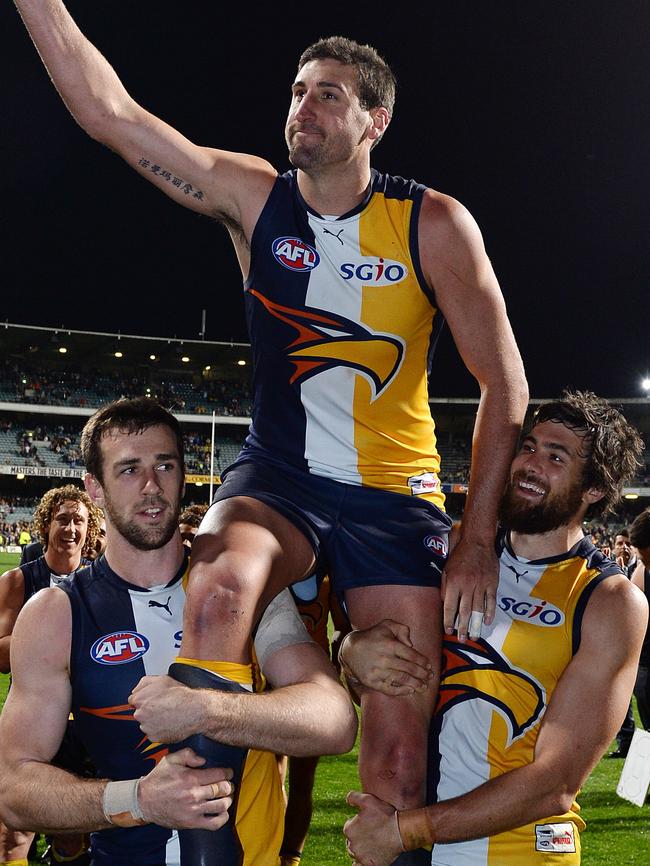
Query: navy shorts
{"points": [[361, 536]]}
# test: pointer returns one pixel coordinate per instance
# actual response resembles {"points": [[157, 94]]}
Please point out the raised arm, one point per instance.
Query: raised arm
{"points": [[457, 267], [307, 711], [227, 186], [38, 796], [12, 597], [590, 698]]}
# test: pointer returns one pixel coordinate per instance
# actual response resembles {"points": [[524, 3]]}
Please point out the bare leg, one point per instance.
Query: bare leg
{"points": [[242, 556], [302, 772], [394, 730]]}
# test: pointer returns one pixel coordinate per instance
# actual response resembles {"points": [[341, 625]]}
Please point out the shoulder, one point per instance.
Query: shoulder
{"points": [[45, 621], [617, 612], [444, 219], [11, 582]]}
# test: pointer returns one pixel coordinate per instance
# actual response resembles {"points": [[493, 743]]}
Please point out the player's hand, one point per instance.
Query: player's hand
{"points": [[166, 710], [180, 795], [383, 658], [372, 836], [469, 584]]}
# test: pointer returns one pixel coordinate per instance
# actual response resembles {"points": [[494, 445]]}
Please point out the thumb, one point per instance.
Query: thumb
{"points": [[185, 758], [400, 631], [355, 798]]}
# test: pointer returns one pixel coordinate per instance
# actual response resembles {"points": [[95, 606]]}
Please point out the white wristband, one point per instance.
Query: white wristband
{"points": [[120, 804]]}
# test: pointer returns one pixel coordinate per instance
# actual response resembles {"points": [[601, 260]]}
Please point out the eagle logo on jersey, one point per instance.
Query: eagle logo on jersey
{"points": [[326, 340], [475, 671], [124, 713]]}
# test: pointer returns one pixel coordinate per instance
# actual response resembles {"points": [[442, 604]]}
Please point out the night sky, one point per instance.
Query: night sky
{"points": [[536, 115]]}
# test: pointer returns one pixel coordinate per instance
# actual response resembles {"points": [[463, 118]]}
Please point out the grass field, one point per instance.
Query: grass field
{"points": [[618, 833]]}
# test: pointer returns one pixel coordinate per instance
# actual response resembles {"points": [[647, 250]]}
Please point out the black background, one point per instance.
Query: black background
{"points": [[534, 114]]}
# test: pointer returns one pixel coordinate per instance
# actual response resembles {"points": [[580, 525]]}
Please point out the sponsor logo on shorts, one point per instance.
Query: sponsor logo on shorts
{"points": [[534, 610], [558, 838], [295, 255], [428, 482], [119, 648], [436, 544], [377, 271]]}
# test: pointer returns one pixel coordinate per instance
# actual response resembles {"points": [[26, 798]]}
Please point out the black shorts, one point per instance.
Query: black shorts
{"points": [[361, 536]]}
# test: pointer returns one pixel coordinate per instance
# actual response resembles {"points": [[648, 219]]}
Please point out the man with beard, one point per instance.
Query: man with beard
{"points": [[348, 274], [87, 645], [526, 711]]}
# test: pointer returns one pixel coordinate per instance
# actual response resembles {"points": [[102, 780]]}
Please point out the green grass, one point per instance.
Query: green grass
{"points": [[8, 560]]}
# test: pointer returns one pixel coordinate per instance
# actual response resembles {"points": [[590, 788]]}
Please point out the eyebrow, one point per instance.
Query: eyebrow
{"points": [[319, 84], [550, 446], [133, 461]]}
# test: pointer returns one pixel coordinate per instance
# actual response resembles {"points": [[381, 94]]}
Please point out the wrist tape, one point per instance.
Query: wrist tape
{"points": [[120, 804]]}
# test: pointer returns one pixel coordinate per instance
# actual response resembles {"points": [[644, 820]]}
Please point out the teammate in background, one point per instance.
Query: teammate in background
{"points": [[627, 561], [302, 771], [68, 523], [120, 619], [560, 658], [348, 274], [640, 538], [189, 522]]}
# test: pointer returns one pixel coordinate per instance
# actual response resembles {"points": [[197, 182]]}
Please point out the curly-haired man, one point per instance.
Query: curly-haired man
{"points": [[68, 524]]}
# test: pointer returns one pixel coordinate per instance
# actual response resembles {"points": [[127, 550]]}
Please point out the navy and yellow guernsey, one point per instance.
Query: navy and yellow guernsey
{"points": [[342, 325], [494, 692]]}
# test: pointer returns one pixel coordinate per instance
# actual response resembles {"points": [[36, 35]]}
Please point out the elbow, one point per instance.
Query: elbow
{"points": [[345, 733], [558, 800]]}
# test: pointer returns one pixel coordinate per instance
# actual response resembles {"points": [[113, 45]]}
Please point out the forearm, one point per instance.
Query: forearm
{"points": [[301, 720], [86, 82], [524, 795], [45, 799], [498, 424]]}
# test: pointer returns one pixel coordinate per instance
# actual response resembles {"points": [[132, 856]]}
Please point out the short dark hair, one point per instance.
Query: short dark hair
{"points": [[53, 500], [376, 79], [611, 446], [640, 530], [126, 416]]}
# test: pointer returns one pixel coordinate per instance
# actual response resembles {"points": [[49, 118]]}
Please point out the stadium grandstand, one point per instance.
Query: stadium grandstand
{"points": [[51, 379]]}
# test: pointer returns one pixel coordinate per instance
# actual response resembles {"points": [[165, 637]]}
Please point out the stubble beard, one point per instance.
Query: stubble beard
{"points": [[554, 511], [145, 537]]}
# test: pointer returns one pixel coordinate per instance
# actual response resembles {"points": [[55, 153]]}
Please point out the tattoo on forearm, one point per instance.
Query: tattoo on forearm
{"points": [[187, 188]]}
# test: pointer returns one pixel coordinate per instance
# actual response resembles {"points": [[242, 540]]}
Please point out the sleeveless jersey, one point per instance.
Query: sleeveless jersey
{"points": [[37, 575], [341, 323], [494, 693], [120, 633]]}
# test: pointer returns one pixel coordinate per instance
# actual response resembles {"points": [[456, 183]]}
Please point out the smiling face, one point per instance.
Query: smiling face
{"points": [[326, 123], [67, 532], [142, 485], [546, 487]]}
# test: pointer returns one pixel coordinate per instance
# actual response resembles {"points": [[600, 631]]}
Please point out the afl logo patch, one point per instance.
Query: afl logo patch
{"points": [[119, 648], [294, 254], [436, 545]]}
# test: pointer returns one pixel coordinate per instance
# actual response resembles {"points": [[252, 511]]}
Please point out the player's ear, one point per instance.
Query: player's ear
{"points": [[380, 120], [94, 489], [591, 495]]}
